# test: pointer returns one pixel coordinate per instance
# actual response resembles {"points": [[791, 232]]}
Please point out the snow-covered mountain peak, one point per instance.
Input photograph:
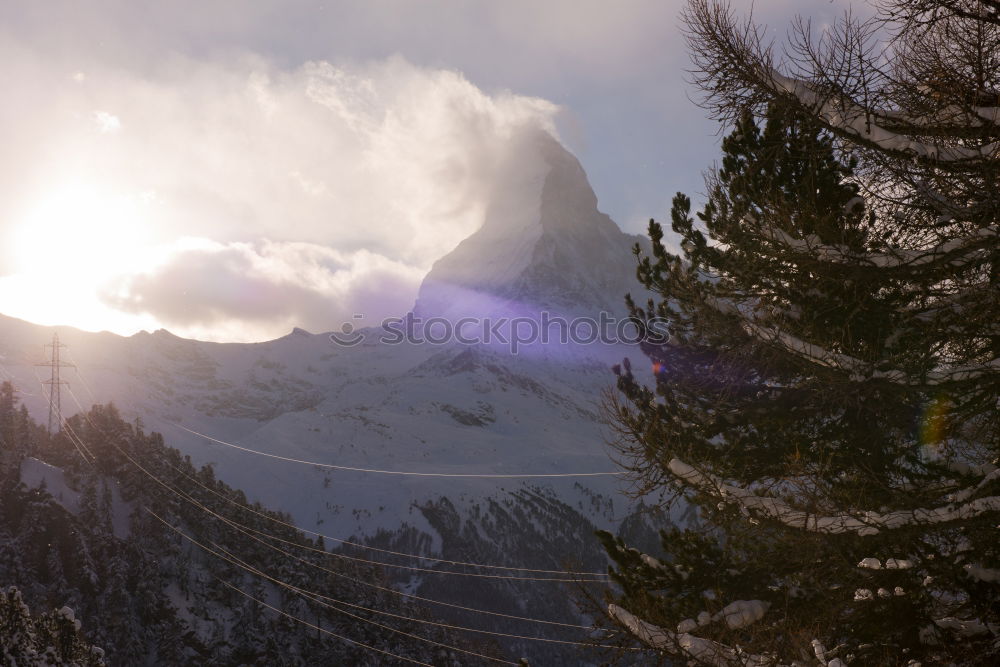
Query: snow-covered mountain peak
{"points": [[543, 246]]}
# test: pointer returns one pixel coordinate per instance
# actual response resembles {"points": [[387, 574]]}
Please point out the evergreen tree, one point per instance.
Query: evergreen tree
{"points": [[828, 394], [49, 640], [13, 432]]}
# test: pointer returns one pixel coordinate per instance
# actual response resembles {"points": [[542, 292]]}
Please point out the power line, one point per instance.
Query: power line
{"points": [[329, 554], [85, 384], [317, 627], [600, 575], [392, 472], [79, 442], [414, 568], [246, 530], [77, 439], [489, 632], [74, 437], [204, 508], [242, 529], [13, 380], [312, 594], [493, 633], [315, 597], [238, 526]]}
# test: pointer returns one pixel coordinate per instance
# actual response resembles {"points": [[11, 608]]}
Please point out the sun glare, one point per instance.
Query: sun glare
{"points": [[66, 245], [81, 228]]}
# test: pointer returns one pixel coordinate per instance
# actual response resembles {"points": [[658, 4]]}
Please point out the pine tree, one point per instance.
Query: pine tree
{"points": [[13, 440], [47, 640], [828, 393]]}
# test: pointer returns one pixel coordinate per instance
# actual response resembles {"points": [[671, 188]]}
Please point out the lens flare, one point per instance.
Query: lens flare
{"points": [[934, 424]]}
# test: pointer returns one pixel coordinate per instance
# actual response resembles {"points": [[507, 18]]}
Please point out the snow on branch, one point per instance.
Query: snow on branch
{"points": [[851, 118], [742, 613], [958, 303], [957, 250], [738, 614], [990, 114], [860, 370], [812, 351], [950, 117], [705, 651], [965, 628], [866, 523], [822, 655], [965, 494], [982, 573], [963, 468], [947, 207]]}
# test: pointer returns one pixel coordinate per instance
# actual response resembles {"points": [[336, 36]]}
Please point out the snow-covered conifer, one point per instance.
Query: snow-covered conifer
{"points": [[828, 397]]}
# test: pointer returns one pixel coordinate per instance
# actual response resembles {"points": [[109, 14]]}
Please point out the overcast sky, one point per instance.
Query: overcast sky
{"points": [[230, 169]]}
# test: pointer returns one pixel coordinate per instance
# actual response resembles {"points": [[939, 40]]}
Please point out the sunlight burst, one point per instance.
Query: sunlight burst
{"points": [[66, 247], [81, 228]]}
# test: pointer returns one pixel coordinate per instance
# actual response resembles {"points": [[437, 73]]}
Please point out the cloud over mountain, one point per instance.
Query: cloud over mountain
{"points": [[202, 286], [379, 167]]}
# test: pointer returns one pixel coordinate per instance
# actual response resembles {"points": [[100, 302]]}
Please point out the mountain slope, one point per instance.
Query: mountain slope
{"points": [[141, 544]]}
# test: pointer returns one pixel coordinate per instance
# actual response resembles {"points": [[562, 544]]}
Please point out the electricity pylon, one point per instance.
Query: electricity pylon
{"points": [[55, 396]]}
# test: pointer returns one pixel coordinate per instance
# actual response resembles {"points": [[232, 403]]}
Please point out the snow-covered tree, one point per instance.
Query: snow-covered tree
{"points": [[14, 431], [49, 640], [828, 395]]}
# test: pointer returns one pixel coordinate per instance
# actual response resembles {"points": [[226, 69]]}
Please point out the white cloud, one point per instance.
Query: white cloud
{"points": [[107, 122], [361, 175], [262, 289]]}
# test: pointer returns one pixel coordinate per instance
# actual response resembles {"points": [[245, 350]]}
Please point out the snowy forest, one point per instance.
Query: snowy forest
{"points": [[143, 570], [824, 413]]}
